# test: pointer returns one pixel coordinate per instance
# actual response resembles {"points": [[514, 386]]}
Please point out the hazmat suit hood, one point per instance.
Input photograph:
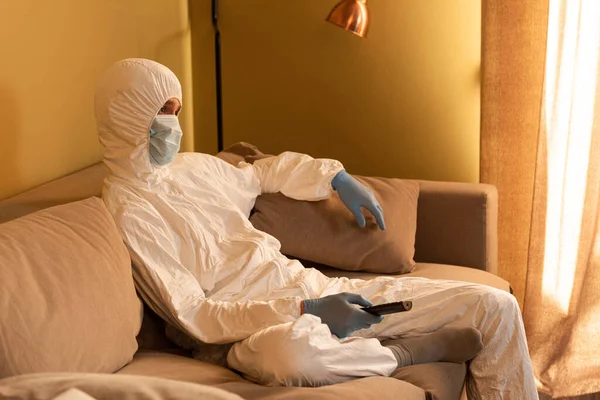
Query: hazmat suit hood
{"points": [[128, 97], [196, 258]]}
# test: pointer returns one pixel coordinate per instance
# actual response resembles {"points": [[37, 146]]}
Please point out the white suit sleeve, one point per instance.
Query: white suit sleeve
{"points": [[173, 292], [297, 176]]}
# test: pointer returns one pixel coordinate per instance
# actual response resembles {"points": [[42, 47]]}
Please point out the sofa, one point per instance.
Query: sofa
{"points": [[455, 239]]}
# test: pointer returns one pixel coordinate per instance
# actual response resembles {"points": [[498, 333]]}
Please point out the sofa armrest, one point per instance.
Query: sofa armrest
{"points": [[457, 224]]}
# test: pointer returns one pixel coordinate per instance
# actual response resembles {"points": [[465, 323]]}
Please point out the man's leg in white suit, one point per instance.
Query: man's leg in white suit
{"points": [[502, 370], [304, 353]]}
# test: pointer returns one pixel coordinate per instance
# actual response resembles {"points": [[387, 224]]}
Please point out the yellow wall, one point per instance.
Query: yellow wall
{"points": [[203, 61], [404, 102], [52, 55]]}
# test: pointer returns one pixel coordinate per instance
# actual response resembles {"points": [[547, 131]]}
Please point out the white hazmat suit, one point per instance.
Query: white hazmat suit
{"points": [[200, 264]]}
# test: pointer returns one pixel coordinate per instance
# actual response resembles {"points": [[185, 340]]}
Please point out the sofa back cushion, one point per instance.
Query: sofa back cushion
{"points": [[67, 298]]}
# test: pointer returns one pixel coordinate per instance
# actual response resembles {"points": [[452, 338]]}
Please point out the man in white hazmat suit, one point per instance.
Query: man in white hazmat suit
{"points": [[199, 263]]}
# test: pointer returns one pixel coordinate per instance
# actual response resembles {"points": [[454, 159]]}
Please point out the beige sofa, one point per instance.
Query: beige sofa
{"points": [[456, 239]]}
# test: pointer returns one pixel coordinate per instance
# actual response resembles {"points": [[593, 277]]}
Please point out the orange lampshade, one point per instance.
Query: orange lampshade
{"points": [[352, 15]]}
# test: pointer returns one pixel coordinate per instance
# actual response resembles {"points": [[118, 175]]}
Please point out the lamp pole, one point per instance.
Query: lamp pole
{"points": [[219, 93], [352, 15]]}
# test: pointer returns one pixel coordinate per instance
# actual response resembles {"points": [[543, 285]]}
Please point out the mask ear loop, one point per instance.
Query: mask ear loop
{"points": [[149, 129], [153, 162]]}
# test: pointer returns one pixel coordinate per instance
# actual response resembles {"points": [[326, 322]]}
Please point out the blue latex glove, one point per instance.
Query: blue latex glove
{"points": [[356, 195], [340, 315]]}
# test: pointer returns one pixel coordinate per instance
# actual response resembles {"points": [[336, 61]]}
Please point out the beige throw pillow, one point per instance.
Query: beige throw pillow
{"points": [[326, 232], [67, 299]]}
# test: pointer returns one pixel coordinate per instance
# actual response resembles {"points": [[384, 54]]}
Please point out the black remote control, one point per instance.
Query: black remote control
{"points": [[389, 308]]}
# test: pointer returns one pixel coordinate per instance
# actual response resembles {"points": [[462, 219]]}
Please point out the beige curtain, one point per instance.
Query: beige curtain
{"points": [[513, 56], [541, 148]]}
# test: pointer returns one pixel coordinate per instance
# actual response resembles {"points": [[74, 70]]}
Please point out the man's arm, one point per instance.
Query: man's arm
{"points": [[297, 176], [302, 177]]}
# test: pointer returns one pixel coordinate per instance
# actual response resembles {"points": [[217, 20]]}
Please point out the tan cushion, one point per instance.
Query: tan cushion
{"points": [[50, 386], [67, 299], [458, 225], [326, 232], [189, 370], [434, 271]]}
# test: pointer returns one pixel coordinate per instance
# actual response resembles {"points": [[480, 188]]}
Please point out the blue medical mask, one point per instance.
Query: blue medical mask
{"points": [[165, 139]]}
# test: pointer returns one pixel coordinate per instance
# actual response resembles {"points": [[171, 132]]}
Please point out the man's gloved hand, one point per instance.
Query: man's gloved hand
{"points": [[340, 315], [356, 195]]}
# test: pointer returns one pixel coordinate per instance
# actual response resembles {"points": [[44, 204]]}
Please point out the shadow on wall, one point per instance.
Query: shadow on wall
{"points": [[10, 176]]}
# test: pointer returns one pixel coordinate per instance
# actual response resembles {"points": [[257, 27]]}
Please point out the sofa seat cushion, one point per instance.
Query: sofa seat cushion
{"points": [[433, 271], [84, 386], [169, 366]]}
